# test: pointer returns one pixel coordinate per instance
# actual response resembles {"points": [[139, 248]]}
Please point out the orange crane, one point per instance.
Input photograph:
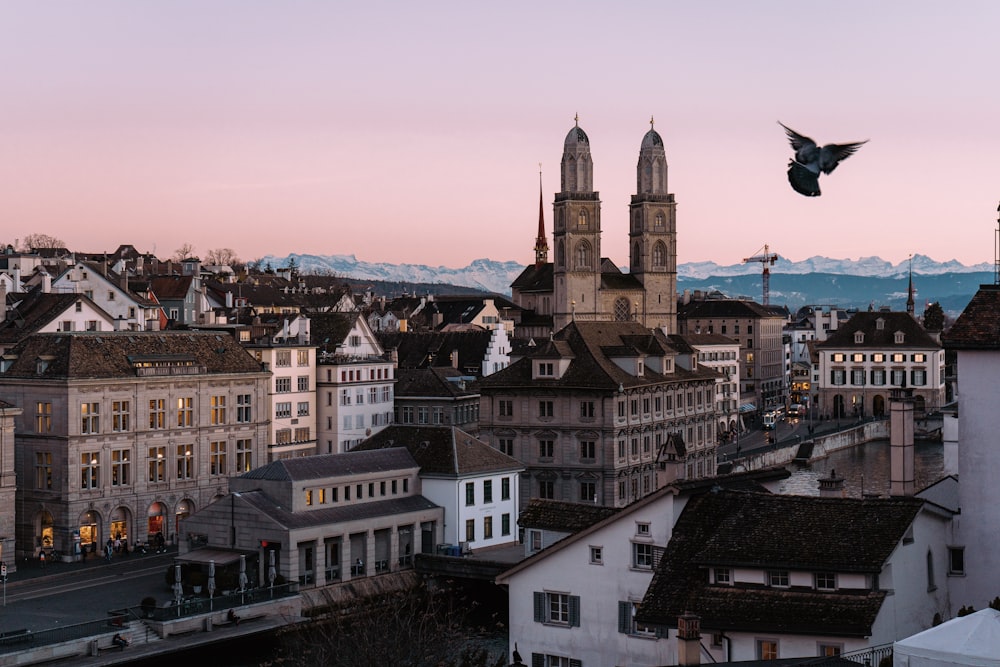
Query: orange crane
{"points": [[767, 259]]}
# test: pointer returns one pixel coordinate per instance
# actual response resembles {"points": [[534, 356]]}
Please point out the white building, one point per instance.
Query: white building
{"points": [[721, 354], [110, 292]]}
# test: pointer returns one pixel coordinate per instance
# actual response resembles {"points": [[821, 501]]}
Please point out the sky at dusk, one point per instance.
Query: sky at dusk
{"points": [[408, 132]]}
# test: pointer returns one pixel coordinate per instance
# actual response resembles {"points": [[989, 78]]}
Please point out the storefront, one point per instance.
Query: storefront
{"points": [[120, 524], [155, 522], [90, 534]]}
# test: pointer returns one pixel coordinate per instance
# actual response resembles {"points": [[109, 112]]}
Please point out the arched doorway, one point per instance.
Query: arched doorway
{"points": [[919, 405], [838, 406], [155, 522], [90, 534], [121, 520], [44, 531], [878, 405], [185, 508]]}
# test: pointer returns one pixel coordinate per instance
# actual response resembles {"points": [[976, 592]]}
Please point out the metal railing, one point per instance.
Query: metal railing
{"points": [[873, 656], [20, 640], [193, 606]]}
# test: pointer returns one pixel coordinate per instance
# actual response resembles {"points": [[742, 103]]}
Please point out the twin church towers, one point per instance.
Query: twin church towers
{"points": [[579, 284]]}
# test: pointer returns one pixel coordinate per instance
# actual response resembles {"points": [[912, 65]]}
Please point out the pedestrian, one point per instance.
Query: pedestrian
{"points": [[41, 558], [119, 641], [109, 549]]}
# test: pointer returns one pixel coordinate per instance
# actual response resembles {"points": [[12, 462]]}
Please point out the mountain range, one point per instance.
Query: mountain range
{"points": [[867, 281]]}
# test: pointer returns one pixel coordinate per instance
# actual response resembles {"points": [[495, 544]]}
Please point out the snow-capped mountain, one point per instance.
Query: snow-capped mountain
{"points": [[494, 276]]}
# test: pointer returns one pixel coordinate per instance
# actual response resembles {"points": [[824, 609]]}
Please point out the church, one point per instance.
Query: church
{"points": [[581, 285]]}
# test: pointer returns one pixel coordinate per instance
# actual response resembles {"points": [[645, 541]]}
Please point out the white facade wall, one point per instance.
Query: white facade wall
{"points": [[497, 355], [109, 296], [291, 399], [451, 494]]}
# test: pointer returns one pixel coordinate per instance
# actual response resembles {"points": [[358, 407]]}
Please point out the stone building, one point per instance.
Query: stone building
{"points": [[125, 433]]}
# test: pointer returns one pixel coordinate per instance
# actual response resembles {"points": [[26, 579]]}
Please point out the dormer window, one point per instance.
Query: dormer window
{"points": [[546, 369], [859, 337], [880, 324], [900, 337]]}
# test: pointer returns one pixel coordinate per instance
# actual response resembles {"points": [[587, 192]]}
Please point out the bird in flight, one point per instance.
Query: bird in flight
{"points": [[810, 160]]}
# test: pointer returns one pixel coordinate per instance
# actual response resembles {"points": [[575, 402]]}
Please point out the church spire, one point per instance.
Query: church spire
{"points": [[909, 292], [541, 245]]}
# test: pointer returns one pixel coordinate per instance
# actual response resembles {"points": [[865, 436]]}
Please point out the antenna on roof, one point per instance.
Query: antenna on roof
{"points": [[996, 251]]}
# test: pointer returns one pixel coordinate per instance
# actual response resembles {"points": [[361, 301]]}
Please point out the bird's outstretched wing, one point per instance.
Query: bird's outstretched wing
{"points": [[831, 154], [798, 141], [803, 180]]}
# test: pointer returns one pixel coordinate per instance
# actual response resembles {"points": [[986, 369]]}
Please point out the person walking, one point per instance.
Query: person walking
{"points": [[109, 549]]}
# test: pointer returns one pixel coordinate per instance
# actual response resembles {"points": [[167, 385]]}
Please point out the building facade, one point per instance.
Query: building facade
{"points": [[123, 434]]}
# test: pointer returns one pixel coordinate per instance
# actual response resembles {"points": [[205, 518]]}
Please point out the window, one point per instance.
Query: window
{"points": [[157, 464], [587, 449], [586, 409], [302, 357], [218, 414], [557, 608], [546, 368], [837, 377], [767, 649], [918, 358], [626, 620], [505, 523], [878, 377], [157, 413], [185, 461], [918, 377], [90, 414], [857, 377], [345, 397], [838, 358], [588, 491], [642, 556], [825, 581], [283, 436], [857, 357], [43, 470], [487, 527], [282, 410], [121, 467], [597, 555], [878, 358], [282, 385], [302, 383], [542, 660], [535, 539], [829, 650], [546, 409], [309, 497], [185, 411], [470, 493], [506, 408], [302, 409], [487, 491], [956, 559], [283, 358], [723, 576], [217, 458], [778, 578], [43, 417], [546, 489], [642, 528], [506, 445], [898, 378], [244, 456], [470, 530], [505, 488], [90, 470], [898, 358], [546, 449]]}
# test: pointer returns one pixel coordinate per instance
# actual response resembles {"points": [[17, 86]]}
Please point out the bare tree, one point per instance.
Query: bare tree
{"points": [[32, 241], [186, 251], [222, 257]]}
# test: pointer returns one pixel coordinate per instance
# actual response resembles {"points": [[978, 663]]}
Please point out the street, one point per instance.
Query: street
{"points": [[756, 439]]}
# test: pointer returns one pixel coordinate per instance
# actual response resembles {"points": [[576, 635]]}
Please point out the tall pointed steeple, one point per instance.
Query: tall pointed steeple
{"points": [[909, 292], [541, 244]]}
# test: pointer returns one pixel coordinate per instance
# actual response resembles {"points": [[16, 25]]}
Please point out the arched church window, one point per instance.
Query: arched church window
{"points": [[582, 220], [583, 255], [658, 223], [622, 312], [659, 256], [561, 254], [635, 255]]}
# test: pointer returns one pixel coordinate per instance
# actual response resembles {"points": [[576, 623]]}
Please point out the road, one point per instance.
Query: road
{"points": [[756, 440]]}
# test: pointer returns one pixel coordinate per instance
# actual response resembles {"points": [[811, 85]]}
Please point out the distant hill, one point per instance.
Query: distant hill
{"points": [[817, 280]]}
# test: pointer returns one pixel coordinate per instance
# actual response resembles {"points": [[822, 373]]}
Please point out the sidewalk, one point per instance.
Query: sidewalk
{"points": [[32, 568]]}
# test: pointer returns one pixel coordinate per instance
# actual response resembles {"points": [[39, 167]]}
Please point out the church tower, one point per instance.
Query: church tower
{"points": [[576, 235], [653, 236]]}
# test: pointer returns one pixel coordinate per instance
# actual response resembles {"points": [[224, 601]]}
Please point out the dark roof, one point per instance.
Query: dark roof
{"points": [[333, 465], [442, 450], [434, 382], [867, 323], [595, 345], [331, 329], [113, 354], [709, 308], [978, 327], [434, 348], [330, 515], [738, 529], [563, 516], [171, 288], [696, 339], [36, 309], [534, 279]]}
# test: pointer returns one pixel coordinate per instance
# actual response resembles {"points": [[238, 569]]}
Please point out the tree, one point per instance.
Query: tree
{"points": [[186, 251], [32, 241], [222, 257], [934, 317]]}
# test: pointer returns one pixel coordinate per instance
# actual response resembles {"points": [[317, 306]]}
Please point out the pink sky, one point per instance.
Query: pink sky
{"points": [[412, 132]]}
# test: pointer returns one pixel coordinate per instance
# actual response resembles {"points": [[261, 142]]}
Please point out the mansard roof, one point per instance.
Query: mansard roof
{"points": [[737, 529], [978, 327], [342, 513], [442, 450], [422, 349], [81, 355], [880, 336], [322, 466]]}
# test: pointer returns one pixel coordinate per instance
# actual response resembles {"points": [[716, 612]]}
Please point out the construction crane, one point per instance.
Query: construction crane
{"points": [[767, 259]]}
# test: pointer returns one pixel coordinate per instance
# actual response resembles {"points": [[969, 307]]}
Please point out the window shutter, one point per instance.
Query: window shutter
{"points": [[537, 660], [539, 607], [574, 610], [657, 555], [625, 617]]}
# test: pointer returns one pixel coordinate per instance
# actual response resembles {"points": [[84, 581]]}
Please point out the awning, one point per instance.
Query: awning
{"points": [[206, 554], [748, 407]]}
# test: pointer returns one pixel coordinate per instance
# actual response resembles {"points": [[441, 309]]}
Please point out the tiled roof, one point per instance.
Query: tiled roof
{"points": [[171, 287], [696, 339], [331, 515], [867, 323], [112, 354], [442, 450], [37, 309], [738, 530], [323, 466], [978, 327], [731, 308], [563, 516], [433, 382], [331, 329], [594, 346], [435, 348], [534, 279]]}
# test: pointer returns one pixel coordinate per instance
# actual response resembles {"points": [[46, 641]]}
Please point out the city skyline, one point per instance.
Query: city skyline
{"points": [[413, 134]]}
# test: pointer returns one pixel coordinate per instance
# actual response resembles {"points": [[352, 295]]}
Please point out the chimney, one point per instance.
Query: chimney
{"points": [[901, 466], [46, 282], [688, 640], [229, 299], [832, 486]]}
